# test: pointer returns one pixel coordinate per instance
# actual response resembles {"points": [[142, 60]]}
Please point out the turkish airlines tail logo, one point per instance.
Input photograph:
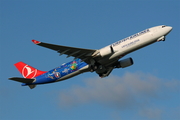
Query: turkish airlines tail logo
{"points": [[28, 71]]}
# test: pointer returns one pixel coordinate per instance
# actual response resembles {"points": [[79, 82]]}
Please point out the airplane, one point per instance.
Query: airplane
{"points": [[102, 61]]}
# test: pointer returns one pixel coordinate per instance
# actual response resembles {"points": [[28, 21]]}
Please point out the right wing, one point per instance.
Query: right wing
{"points": [[81, 53]]}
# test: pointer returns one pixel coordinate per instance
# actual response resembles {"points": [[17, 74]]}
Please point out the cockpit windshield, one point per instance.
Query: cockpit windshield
{"points": [[163, 26]]}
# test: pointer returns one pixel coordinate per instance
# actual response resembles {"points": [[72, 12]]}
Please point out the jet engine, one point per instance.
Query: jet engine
{"points": [[124, 63], [103, 71]]}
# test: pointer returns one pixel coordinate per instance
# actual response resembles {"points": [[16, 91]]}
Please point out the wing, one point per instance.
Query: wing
{"points": [[81, 53]]}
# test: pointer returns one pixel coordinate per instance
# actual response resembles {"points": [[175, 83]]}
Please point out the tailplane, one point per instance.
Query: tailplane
{"points": [[24, 80], [29, 73]]}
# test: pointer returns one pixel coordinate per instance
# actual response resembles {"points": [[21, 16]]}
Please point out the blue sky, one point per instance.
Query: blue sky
{"points": [[147, 90]]}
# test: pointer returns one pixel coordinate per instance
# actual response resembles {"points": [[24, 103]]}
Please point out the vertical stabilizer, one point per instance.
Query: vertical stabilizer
{"points": [[27, 71]]}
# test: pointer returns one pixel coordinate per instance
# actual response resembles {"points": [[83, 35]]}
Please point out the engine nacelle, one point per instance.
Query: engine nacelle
{"points": [[106, 51], [125, 63]]}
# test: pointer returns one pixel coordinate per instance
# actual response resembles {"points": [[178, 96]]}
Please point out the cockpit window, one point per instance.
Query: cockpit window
{"points": [[163, 26]]}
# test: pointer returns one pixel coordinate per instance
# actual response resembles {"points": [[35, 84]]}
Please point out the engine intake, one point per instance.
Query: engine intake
{"points": [[125, 63]]}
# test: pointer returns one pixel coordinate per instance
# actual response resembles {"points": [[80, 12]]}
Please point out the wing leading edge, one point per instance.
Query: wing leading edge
{"points": [[69, 51]]}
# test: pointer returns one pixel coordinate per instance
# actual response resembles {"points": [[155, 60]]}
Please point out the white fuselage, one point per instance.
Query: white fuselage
{"points": [[121, 48]]}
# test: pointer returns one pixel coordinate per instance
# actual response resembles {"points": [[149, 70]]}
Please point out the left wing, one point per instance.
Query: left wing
{"points": [[81, 53]]}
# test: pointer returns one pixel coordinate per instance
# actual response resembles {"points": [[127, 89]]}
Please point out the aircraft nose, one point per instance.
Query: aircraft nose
{"points": [[168, 29]]}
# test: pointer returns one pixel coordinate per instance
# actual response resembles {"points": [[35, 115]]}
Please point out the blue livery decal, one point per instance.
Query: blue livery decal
{"points": [[59, 72]]}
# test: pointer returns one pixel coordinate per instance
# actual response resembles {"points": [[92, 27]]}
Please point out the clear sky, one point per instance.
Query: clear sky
{"points": [[147, 90]]}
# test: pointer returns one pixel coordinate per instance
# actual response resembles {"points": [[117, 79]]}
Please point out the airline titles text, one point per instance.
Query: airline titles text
{"points": [[131, 37]]}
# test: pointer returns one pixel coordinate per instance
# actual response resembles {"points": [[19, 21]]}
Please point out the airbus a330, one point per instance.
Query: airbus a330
{"points": [[102, 61]]}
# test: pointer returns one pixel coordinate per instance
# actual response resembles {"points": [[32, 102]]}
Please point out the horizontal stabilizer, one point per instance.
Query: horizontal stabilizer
{"points": [[22, 80]]}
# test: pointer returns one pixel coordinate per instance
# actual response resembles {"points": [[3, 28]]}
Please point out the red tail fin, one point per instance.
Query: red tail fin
{"points": [[28, 71]]}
